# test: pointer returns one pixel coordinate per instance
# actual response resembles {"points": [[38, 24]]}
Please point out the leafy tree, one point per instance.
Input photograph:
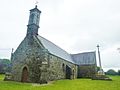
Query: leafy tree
{"points": [[98, 68], [118, 72], [111, 72], [5, 65]]}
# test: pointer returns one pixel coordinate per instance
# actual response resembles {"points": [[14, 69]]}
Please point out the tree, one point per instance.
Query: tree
{"points": [[118, 72], [5, 65], [1, 68], [111, 72], [98, 68]]}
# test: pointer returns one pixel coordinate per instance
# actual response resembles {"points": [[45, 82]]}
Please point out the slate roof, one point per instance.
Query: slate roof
{"points": [[85, 58], [55, 50]]}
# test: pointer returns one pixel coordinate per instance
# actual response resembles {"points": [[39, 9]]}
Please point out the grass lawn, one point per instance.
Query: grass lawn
{"points": [[78, 84]]}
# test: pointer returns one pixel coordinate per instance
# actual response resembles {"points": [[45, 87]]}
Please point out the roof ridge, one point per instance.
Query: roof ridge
{"points": [[84, 52]]}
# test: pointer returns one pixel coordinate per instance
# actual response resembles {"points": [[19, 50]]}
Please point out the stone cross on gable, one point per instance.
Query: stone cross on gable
{"points": [[12, 50]]}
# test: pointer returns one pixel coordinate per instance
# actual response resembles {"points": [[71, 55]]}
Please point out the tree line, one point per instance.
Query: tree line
{"points": [[112, 72], [5, 66]]}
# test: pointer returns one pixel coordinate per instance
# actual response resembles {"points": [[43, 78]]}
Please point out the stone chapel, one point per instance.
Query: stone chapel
{"points": [[38, 60]]}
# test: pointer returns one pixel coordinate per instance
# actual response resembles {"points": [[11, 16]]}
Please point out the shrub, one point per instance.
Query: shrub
{"points": [[5, 66], [111, 72], [118, 72]]}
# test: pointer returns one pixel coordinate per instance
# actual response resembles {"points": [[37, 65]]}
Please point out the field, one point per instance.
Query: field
{"points": [[78, 84]]}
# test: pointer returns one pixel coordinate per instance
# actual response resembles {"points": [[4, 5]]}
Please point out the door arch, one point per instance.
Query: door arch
{"points": [[24, 75], [68, 72], [73, 74]]}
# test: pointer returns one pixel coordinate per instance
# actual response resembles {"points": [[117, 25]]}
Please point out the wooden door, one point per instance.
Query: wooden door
{"points": [[24, 75]]}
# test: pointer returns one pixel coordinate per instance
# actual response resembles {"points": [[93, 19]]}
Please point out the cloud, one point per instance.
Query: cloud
{"points": [[110, 56], [74, 25]]}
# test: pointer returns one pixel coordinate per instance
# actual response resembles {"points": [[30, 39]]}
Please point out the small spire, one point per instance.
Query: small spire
{"points": [[35, 6]]}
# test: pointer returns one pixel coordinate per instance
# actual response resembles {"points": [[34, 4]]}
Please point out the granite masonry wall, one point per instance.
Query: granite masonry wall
{"points": [[86, 71], [41, 65]]}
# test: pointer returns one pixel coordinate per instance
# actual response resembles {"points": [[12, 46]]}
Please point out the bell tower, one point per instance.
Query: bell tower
{"points": [[33, 23]]}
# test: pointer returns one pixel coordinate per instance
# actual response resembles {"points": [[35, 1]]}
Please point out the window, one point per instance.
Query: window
{"points": [[63, 67], [32, 18]]}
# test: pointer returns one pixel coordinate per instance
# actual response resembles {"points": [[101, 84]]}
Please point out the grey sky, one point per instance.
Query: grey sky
{"points": [[74, 25]]}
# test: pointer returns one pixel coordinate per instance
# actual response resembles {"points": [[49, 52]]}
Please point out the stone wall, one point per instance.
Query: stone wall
{"points": [[86, 71], [41, 65], [29, 54], [58, 68]]}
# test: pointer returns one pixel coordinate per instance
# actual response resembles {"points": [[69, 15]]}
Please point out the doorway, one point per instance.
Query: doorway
{"points": [[68, 72], [24, 75]]}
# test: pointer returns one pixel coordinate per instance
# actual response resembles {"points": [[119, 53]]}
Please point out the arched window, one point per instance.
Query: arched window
{"points": [[32, 18]]}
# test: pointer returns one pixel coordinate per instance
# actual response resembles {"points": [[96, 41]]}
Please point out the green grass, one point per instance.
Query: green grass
{"points": [[78, 84]]}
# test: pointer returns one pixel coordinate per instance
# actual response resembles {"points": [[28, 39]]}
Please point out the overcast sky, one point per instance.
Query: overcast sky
{"points": [[74, 25]]}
